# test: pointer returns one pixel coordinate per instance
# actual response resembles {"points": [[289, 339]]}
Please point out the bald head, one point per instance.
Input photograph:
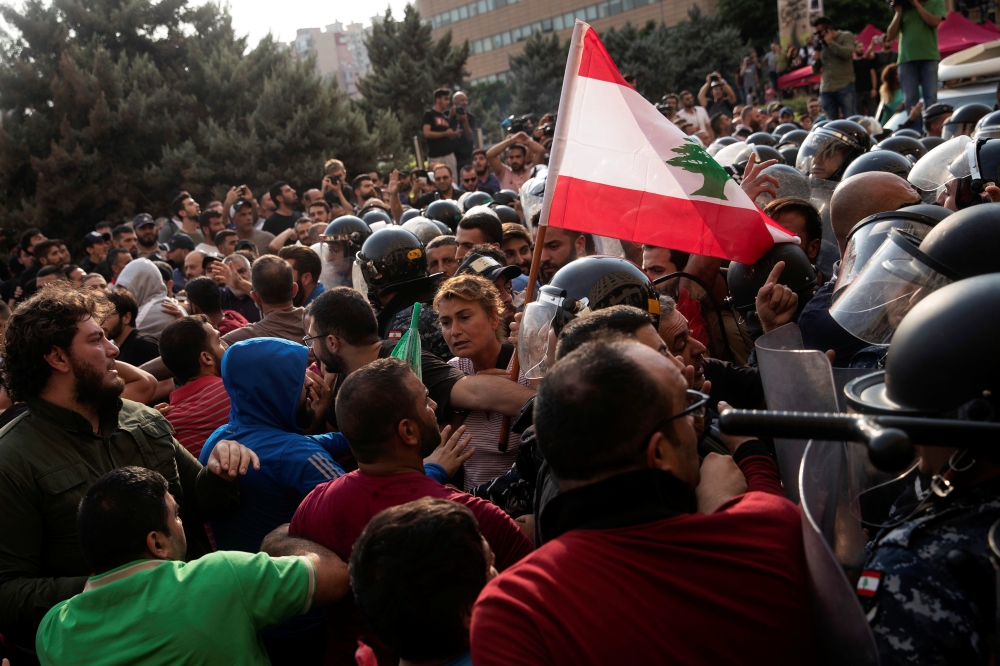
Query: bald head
{"points": [[865, 194]]}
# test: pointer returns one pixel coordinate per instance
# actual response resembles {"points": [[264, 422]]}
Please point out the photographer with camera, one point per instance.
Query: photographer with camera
{"points": [[334, 188], [723, 96], [833, 54], [460, 118], [916, 23], [523, 153], [439, 132]]}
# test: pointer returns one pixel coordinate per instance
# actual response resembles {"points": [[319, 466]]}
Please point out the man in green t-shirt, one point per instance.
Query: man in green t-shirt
{"points": [[916, 23], [145, 605]]}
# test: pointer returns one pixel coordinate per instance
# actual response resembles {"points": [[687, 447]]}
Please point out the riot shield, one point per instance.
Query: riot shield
{"points": [[715, 325], [794, 379], [820, 192], [833, 542]]}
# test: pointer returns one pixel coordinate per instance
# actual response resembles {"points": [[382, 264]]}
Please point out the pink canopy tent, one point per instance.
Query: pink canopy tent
{"points": [[955, 33]]}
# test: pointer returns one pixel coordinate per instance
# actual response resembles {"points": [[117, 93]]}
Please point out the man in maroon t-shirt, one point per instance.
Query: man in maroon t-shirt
{"points": [[389, 419], [630, 572]]}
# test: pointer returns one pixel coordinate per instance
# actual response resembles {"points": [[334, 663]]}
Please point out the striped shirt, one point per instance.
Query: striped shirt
{"points": [[488, 462], [199, 408]]}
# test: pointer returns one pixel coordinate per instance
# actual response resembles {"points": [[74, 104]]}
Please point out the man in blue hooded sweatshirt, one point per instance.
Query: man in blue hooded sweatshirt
{"points": [[272, 398], [271, 401]]}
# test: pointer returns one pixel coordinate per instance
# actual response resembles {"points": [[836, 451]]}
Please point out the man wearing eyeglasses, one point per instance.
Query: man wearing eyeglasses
{"points": [[630, 570], [468, 178]]}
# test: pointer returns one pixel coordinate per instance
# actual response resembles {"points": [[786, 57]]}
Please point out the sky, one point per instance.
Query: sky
{"points": [[282, 18]]}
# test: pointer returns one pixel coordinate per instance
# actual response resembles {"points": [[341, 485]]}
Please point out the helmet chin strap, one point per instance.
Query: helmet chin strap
{"points": [[942, 484]]}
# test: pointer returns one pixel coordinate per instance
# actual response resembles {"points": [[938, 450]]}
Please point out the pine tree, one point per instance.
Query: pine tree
{"points": [[406, 67], [692, 158], [110, 105], [538, 74]]}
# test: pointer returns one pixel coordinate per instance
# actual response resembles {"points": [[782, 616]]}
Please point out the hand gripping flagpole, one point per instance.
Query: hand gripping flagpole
{"points": [[555, 156]]}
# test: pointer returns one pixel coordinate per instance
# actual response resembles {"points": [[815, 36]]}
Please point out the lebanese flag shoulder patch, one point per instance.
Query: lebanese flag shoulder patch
{"points": [[868, 583]]}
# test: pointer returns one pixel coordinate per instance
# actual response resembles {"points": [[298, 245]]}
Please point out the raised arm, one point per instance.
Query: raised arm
{"points": [[140, 385], [333, 580], [494, 153], [490, 394]]}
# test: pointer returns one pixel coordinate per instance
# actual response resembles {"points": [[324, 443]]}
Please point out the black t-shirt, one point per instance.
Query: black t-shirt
{"points": [[439, 123], [461, 146], [862, 75], [278, 223], [137, 348], [438, 377], [720, 107], [880, 62]]}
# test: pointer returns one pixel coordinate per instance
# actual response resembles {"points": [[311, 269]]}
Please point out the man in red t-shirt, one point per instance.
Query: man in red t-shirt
{"points": [[629, 572], [389, 419], [191, 350]]}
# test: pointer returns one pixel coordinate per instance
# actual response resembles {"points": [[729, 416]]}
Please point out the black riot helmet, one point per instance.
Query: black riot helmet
{"points": [[761, 139], [963, 120], [880, 160], [476, 199], [783, 129], [408, 215], [818, 124], [445, 210], [349, 230], [930, 210], [389, 259], [763, 153], [988, 127], [506, 197], [906, 146], [745, 280], [931, 142], [829, 150], [425, 230], [942, 361], [906, 131], [867, 236], [445, 231], [794, 137], [375, 215], [905, 270], [721, 143], [578, 288], [507, 214], [789, 153]]}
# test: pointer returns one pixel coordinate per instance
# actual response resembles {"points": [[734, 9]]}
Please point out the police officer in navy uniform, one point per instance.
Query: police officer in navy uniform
{"points": [[391, 269], [928, 585]]}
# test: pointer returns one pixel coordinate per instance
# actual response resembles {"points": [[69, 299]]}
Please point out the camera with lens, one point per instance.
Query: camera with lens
{"points": [[714, 78], [548, 130], [459, 110]]}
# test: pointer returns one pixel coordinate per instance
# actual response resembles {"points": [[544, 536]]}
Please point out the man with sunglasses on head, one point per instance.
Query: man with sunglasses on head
{"points": [[639, 558]]}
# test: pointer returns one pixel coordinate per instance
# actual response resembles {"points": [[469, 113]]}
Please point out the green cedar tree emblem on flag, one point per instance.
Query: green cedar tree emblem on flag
{"points": [[692, 158]]}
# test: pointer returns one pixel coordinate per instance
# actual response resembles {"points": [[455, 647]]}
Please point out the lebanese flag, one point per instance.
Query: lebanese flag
{"points": [[618, 168]]}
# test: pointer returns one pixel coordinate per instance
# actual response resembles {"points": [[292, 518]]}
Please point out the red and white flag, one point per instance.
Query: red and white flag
{"points": [[618, 168]]}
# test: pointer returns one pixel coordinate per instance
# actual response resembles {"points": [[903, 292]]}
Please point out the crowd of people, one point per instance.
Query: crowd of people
{"points": [[211, 452], [870, 80]]}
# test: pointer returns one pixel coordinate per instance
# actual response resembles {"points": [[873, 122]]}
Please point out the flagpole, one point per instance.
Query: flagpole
{"points": [[559, 139]]}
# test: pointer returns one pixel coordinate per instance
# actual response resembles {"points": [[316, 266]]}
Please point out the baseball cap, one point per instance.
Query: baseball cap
{"points": [[935, 110], [236, 206], [180, 242], [93, 237], [786, 109], [487, 267], [142, 219]]}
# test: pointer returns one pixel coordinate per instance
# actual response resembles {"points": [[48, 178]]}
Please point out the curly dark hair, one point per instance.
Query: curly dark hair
{"points": [[46, 320]]}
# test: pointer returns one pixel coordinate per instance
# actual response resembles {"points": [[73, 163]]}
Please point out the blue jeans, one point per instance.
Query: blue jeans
{"points": [[916, 77], [838, 102]]}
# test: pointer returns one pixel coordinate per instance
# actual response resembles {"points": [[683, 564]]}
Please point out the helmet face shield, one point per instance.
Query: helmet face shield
{"points": [[864, 242], [536, 339], [897, 277], [822, 155], [358, 281], [932, 173]]}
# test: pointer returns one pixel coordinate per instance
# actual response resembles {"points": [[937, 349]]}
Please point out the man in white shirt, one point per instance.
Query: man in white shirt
{"points": [[697, 116]]}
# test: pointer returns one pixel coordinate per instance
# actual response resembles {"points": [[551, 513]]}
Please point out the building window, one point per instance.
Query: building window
{"points": [[591, 12], [602, 10], [496, 42], [627, 5], [477, 47], [505, 38], [558, 22], [463, 13], [482, 6], [487, 45], [547, 25], [615, 7]]}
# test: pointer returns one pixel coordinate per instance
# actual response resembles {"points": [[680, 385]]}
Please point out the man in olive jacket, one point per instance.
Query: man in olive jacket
{"points": [[75, 429]]}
